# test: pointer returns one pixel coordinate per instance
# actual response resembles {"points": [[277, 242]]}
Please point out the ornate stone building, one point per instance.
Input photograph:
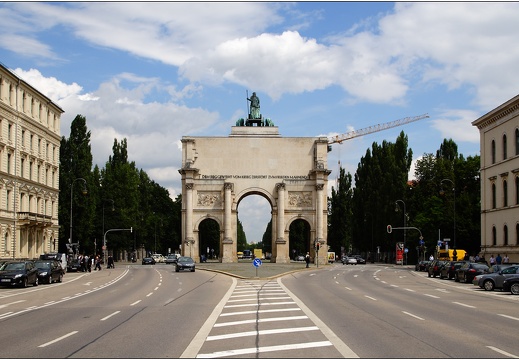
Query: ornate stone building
{"points": [[499, 137], [29, 169]]}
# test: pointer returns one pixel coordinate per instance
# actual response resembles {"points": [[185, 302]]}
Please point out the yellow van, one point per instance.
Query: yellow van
{"points": [[449, 254]]}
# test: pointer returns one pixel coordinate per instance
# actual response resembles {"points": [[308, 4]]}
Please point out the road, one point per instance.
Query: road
{"points": [[366, 311]]}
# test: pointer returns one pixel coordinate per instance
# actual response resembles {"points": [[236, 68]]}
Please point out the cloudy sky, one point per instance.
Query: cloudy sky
{"points": [[154, 72]]}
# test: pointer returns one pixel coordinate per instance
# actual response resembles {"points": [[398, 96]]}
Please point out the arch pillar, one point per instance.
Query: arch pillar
{"points": [[190, 239], [282, 248], [228, 245]]}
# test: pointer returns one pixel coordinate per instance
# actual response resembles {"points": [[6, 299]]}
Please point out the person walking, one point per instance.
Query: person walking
{"points": [[492, 260], [307, 259], [506, 260], [98, 263], [498, 259]]}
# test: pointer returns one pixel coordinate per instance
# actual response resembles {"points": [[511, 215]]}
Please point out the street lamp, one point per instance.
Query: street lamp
{"points": [[113, 209], [405, 222], [85, 191], [454, 252]]}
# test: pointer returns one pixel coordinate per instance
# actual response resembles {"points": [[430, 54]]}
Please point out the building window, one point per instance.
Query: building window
{"points": [[32, 140], [505, 193], [9, 131], [505, 234], [504, 147], [8, 163], [517, 190], [30, 170], [494, 236], [7, 200], [22, 164], [493, 148], [23, 138], [493, 196], [516, 141], [517, 234]]}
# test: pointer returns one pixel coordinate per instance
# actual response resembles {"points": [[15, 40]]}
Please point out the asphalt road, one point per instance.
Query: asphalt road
{"points": [[336, 311]]}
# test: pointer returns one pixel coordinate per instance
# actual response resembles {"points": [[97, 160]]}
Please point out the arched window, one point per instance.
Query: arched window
{"points": [[505, 193], [504, 147], [505, 234], [493, 196], [493, 148], [494, 236]]}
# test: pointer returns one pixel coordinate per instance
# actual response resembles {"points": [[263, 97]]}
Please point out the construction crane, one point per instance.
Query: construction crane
{"points": [[375, 128]]}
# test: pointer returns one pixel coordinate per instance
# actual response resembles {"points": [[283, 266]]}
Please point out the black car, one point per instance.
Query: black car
{"points": [[469, 270], [449, 268], [18, 273], [434, 268], [360, 259], [148, 261], [512, 284], [49, 271], [185, 263], [74, 265], [422, 265]]}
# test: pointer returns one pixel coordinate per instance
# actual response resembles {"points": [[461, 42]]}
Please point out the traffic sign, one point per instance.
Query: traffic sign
{"points": [[256, 262]]}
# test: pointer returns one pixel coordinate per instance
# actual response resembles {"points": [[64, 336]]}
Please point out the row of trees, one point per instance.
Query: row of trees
{"points": [[119, 196], [445, 182]]}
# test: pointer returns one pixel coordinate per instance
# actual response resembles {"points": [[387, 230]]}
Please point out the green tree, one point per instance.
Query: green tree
{"points": [[75, 175], [340, 214]]}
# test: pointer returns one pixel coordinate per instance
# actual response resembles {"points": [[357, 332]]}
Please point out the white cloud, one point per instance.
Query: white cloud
{"points": [[456, 125]]}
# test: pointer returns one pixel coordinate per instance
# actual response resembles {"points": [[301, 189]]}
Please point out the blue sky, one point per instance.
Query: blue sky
{"points": [[154, 72]]}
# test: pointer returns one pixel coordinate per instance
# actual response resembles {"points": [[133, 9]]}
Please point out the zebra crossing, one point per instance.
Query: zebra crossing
{"points": [[261, 319]]}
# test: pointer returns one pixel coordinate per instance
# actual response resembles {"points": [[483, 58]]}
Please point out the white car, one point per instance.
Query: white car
{"points": [[158, 258], [349, 260]]}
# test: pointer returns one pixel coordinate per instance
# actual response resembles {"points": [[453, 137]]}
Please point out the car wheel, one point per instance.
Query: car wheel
{"points": [[429, 274], [35, 282], [50, 279], [514, 289], [488, 285], [456, 278], [193, 270], [60, 279], [25, 282], [177, 270]]}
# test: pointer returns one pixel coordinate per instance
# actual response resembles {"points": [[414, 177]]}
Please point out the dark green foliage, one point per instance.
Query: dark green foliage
{"points": [[340, 214]]}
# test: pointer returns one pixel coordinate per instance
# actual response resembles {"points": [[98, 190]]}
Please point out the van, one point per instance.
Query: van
{"points": [[62, 258]]}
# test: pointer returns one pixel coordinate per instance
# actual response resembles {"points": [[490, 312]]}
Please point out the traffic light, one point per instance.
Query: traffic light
{"points": [[317, 246], [389, 229]]}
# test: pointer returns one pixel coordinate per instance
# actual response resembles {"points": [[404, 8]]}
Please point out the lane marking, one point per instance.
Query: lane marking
{"points": [[347, 288], [261, 332], [11, 303], [253, 321], [259, 311], [135, 303], [263, 349], [412, 315], [509, 317], [262, 304], [433, 296], [149, 294], [465, 305], [109, 316], [259, 299], [58, 339], [503, 352], [410, 290], [369, 297]]}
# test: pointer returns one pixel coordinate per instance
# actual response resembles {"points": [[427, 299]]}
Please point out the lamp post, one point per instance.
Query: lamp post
{"points": [[113, 209], [405, 222], [85, 191], [454, 252]]}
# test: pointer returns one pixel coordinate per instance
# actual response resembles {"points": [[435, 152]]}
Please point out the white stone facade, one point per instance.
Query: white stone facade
{"points": [[499, 137], [29, 169], [218, 172]]}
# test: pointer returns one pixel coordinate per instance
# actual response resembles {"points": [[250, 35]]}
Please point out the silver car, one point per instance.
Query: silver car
{"points": [[495, 280], [349, 260]]}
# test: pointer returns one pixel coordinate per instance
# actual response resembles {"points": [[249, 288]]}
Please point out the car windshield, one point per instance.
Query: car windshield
{"points": [[172, 256], [185, 259], [42, 264], [14, 266]]}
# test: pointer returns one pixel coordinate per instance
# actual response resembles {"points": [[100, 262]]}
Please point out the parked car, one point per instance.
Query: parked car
{"points": [[74, 265], [348, 260], [422, 265], [512, 284], [300, 258], [158, 258], [171, 259], [49, 271], [449, 268], [148, 261], [434, 267], [61, 257], [469, 270], [185, 263], [495, 280], [18, 273], [360, 259]]}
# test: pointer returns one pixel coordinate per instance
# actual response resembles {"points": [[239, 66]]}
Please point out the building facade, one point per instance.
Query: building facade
{"points": [[499, 143], [29, 169]]}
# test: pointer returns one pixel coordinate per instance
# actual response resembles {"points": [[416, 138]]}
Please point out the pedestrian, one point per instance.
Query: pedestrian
{"points": [[110, 262], [431, 258], [498, 259], [492, 260], [476, 258], [506, 260], [307, 259], [89, 263], [98, 263]]}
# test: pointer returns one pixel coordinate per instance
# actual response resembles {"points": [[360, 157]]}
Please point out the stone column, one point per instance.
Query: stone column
{"points": [[323, 253], [229, 246], [189, 213], [281, 211]]}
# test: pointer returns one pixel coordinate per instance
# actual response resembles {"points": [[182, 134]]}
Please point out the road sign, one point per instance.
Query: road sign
{"points": [[256, 262]]}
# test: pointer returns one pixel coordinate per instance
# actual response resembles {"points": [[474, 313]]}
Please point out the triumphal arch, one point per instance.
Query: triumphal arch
{"points": [[290, 172]]}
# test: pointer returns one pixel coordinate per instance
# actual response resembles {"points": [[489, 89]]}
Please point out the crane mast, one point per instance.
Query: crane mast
{"points": [[374, 128]]}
